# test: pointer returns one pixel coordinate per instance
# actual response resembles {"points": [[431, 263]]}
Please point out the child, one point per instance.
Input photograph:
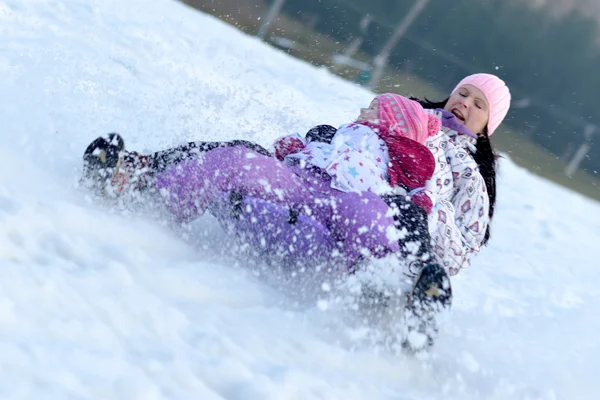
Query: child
{"points": [[382, 151]]}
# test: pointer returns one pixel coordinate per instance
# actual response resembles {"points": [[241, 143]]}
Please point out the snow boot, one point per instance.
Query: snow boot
{"points": [[109, 170], [430, 296]]}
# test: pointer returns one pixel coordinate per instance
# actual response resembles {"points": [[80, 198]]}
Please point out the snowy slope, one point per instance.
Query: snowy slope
{"points": [[97, 304]]}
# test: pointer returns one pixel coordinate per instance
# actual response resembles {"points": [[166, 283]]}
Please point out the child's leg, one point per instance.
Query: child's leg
{"points": [[368, 224], [364, 225], [415, 245], [108, 167], [191, 186], [161, 160]]}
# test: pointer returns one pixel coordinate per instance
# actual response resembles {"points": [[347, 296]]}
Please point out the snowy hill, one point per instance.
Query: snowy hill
{"points": [[96, 304]]}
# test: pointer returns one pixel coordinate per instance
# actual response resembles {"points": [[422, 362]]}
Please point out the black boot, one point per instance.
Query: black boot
{"points": [[415, 245], [109, 170], [101, 161], [431, 295]]}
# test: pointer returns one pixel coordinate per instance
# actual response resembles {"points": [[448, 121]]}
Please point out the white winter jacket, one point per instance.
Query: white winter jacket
{"points": [[356, 159], [459, 218]]}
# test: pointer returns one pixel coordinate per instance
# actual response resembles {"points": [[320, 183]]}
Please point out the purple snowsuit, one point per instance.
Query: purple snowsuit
{"points": [[287, 208]]}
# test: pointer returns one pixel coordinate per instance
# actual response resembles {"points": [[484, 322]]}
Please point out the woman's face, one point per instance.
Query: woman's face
{"points": [[470, 106], [371, 113]]}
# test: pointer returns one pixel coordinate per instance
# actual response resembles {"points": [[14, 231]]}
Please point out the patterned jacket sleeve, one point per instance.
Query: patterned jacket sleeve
{"points": [[460, 223]]}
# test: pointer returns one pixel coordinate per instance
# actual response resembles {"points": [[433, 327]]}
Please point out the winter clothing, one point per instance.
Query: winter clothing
{"points": [[135, 172], [404, 126], [356, 159], [412, 221], [450, 121], [161, 160], [359, 222], [402, 117], [431, 294], [496, 93], [321, 133], [290, 144], [460, 216], [377, 155], [105, 171]]}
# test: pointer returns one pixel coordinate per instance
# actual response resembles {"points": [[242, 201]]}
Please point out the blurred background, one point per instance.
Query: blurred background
{"points": [[547, 51]]}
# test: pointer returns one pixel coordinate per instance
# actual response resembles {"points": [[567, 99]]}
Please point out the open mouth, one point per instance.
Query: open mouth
{"points": [[458, 115]]}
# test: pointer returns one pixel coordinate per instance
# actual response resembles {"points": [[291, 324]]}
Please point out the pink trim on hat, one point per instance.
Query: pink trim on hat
{"points": [[401, 116]]}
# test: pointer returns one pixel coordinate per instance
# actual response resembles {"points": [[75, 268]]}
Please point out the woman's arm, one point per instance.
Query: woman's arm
{"points": [[460, 224]]}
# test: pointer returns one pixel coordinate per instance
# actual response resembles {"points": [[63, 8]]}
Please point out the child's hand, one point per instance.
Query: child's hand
{"points": [[288, 145], [422, 198], [321, 134]]}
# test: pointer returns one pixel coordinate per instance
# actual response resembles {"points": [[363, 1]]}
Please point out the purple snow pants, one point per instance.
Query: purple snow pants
{"points": [[352, 224]]}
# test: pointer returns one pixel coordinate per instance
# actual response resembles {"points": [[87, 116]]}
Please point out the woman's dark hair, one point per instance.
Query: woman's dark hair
{"points": [[485, 157]]}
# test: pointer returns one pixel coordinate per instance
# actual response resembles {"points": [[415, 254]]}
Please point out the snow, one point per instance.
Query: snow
{"points": [[96, 303]]}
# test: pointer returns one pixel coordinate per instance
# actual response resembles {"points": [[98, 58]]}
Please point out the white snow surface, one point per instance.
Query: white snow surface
{"points": [[100, 304]]}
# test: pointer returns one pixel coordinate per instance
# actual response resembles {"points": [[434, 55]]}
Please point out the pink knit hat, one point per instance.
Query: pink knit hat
{"points": [[401, 116], [496, 93]]}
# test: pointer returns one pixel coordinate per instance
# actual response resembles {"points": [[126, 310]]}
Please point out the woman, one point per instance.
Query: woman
{"points": [[460, 187]]}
